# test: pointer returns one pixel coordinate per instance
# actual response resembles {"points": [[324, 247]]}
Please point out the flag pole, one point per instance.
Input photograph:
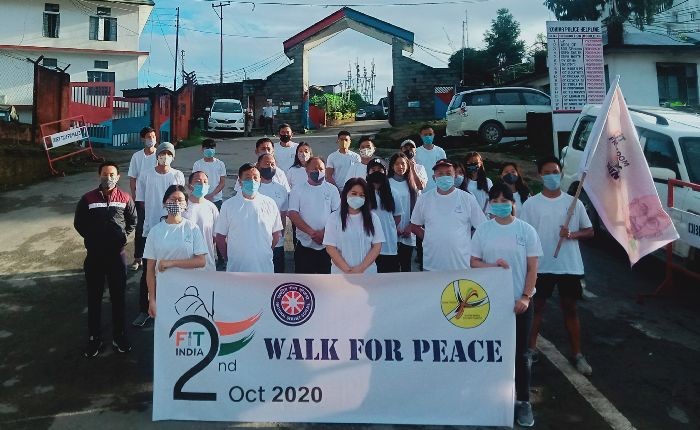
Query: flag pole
{"points": [[570, 212]]}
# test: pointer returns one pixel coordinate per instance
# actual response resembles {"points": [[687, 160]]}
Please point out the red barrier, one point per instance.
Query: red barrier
{"points": [[68, 131], [671, 267]]}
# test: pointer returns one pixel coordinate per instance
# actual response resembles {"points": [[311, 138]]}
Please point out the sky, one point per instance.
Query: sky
{"points": [[437, 28]]}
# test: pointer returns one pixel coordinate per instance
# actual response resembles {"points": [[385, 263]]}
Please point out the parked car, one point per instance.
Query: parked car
{"points": [[226, 115], [671, 143], [378, 111], [492, 113]]}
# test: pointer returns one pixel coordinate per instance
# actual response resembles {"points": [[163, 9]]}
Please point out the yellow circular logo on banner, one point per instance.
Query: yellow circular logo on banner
{"points": [[465, 303]]}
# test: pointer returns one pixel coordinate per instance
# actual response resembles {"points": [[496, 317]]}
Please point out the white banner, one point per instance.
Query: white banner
{"points": [[405, 348], [71, 135]]}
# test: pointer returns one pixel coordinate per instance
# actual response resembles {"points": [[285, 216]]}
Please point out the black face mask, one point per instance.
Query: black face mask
{"points": [[510, 179], [472, 167], [376, 177], [267, 172], [285, 139], [409, 154]]}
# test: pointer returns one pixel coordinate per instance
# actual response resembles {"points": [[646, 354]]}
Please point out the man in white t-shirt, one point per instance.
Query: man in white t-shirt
{"points": [[277, 192], [249, 226], [265, 146], [443, 217], [285, 149], [269, 112], [359, 170], [141, 160], [547, 212], [215, 170], [310, 205], [150, 190], [339, 162], [203, 213], [428, 154]]}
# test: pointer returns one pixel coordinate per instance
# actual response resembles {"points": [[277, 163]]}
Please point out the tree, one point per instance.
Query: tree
{"points": [[479, 66], [640, 12], [502, 40]]}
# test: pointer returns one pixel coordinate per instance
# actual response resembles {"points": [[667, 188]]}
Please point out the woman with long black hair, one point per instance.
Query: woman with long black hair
{"points": [[510, 175], [297, 173], [381, 201], [478, 184], [353, 237], [405, 192]]}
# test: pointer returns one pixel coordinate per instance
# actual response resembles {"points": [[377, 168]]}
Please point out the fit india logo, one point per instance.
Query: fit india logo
{"points": [[292, 303], [465, 303], [224, 338]]}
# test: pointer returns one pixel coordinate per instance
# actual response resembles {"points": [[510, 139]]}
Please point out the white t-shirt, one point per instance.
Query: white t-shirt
{"points": [[314, 203], [402, 200], [353, 243], [248, 226], [139, 162], [386, 218], [297, 175], [204, 214], [482, 197], [356, 170], [547, 216], [150, 189], [215, 170], [174, 241], [284, 156], [428, 158], [340, 163], [421, 172], [448, 221], [280, 177], [280, 195], [513, 242]]}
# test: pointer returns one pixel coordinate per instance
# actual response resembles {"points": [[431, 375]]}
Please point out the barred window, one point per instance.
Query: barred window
{"points": [[52, 20]]}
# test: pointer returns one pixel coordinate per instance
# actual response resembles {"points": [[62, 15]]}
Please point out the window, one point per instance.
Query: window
{"points": [[678, 83], [582, 132], [690, 146], [456, 102], [507, 98], [659, 150], [537, 99], [103, 26], [49, 62], [52, 20], [674, 16], [692, 16], [227, 107], [101, 64], [98, 76], [479, 99]]}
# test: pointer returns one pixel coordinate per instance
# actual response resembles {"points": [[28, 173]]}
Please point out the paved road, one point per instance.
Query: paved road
{"points": [[646, 358]]}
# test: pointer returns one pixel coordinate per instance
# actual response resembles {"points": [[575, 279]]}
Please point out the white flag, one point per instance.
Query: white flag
{"points": [[619, 183]]}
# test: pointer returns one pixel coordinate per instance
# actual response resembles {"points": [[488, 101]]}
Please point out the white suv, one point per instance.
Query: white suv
{"points": [[492, 113], [671, 142]]}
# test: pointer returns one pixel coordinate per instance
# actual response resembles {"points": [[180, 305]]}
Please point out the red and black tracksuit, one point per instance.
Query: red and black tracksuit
{"points": [[104, 221]]}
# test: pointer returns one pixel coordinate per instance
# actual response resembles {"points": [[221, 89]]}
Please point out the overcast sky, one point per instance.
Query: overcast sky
{"points": [[262, 54]]}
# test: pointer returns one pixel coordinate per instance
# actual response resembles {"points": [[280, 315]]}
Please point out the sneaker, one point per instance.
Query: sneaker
{"points": [[136, 265], [141, 319], [533, 355], [524, 415], [121, 344], [582, 365], [93, 348]]}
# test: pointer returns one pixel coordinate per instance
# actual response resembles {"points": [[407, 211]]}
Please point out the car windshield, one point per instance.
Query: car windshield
{"points": [[690, 147], [227, 107]]}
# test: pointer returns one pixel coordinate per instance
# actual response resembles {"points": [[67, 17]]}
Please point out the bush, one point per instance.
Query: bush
{"points": [[336, 116], [349, 115]]}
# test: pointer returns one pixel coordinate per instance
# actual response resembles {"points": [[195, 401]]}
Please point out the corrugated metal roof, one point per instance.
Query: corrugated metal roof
{"points": [[636, 37], [136, 2]]}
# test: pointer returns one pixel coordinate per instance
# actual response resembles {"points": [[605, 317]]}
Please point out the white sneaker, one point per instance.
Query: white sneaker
{"points": [[582, 365], [524, 415]]}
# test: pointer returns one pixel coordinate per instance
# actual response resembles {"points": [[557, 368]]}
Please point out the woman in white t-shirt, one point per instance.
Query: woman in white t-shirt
{"points": [[353, 237], [510, 175], [297, 173], [508, 242], [174, 242], [382, 203], [477, 182], [405, 192]]}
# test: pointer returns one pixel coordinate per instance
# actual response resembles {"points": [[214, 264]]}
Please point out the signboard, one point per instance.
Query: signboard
{"points": [[71, 135], [404, 348], [576, 70]]}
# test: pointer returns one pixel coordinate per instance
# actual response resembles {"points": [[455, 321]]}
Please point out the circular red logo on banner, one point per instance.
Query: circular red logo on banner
{"points": [[292, 304]]}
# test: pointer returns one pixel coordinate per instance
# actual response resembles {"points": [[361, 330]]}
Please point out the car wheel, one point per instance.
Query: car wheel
{"points": [[491, 133]]}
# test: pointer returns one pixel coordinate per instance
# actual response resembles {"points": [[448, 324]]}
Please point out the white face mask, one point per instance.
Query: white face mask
{"points": [[366, 152], [150, 143], [303, 156], [165, 160]]}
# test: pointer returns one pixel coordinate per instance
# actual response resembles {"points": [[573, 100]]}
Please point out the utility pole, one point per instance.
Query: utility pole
{"points": [[465, 42], [220, 14], [177, 42], [182, 66]]}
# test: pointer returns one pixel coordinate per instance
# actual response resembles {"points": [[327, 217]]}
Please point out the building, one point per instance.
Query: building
{"points": [[95, 41]]}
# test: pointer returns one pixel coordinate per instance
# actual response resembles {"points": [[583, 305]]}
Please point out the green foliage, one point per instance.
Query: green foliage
{"points": [[502, 40], [640, 12], [479, 66], [338, 103]]}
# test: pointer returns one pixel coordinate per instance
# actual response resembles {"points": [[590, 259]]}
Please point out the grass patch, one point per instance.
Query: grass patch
{"points": [[195, 139]]}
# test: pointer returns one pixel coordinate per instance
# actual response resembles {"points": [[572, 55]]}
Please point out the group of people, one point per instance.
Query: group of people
{"points": [[350, 213]]}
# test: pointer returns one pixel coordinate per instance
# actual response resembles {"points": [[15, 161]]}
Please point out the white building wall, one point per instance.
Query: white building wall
{"points": [[637, 72]]}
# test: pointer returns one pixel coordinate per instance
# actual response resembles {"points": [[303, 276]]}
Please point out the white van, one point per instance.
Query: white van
{"points": [[671, 143], [226, 115]]}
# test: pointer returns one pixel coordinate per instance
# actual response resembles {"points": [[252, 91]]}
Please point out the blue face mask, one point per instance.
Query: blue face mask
{"points": [[551, 181], [427, 140], [209, 152], [317, 176], [250, 187], [458, 180], [200, 190], [444, 183], [501, 210]]}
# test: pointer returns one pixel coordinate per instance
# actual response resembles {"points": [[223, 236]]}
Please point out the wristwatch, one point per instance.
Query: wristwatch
{"points": [[525, 295]]}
